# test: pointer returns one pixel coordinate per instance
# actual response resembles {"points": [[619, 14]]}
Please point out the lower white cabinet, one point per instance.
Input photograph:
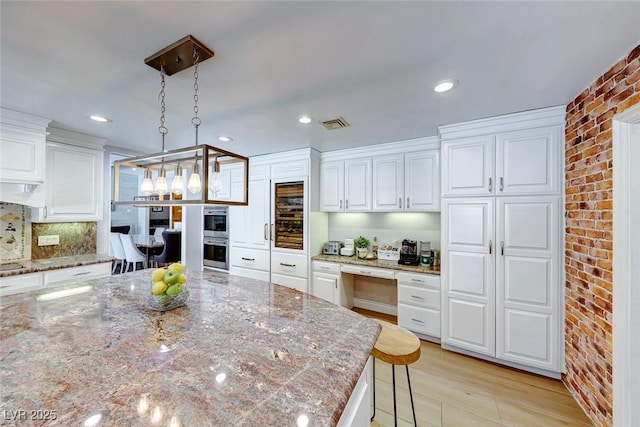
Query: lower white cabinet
{"points": [[357, 412], [326, 283], [419, 303], [73, 274], [20, 283]]}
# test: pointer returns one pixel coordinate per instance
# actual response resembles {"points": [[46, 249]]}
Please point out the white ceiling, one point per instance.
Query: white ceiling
{"points": [[374, 63]]}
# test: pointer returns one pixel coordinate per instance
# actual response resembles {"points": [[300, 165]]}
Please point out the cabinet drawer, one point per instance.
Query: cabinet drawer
{"points": [[250, 258], [418, 319], [431, 281], [368, 271], [424, 297], [289, 264], [21, 283], [85, 272], [325, 267], [290, 282]]}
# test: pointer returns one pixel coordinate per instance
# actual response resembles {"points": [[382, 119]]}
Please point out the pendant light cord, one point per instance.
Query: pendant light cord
{"points": [[162, 128], [195, 120]]}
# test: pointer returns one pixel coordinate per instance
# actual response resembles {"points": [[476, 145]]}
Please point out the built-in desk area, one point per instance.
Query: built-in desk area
{"points": [[410, 292]]}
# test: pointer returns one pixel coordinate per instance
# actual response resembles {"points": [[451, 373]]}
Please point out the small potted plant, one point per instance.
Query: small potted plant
{"points": [[362, 246]]}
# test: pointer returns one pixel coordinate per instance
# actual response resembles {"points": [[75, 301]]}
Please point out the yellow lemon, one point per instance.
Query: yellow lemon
{"points": [[159, 287], [182, 278], [157, 274], [176, 266]]}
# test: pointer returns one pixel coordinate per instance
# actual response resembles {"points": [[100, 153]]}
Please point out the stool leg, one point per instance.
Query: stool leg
{"points": [[374, 389], [415, 423], [393, 378]]}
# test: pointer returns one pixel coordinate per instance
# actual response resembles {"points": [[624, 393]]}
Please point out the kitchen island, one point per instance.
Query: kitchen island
{"points": [[241, 352]]}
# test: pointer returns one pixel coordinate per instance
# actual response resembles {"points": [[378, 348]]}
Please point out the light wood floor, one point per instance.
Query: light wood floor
{"points": [[451, 389]]}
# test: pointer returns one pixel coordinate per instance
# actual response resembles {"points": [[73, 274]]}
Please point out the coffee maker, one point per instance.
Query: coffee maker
{"points": [[409, 253]]}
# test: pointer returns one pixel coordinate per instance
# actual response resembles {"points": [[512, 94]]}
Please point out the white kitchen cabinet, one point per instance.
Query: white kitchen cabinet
{"points": [[509, 163], [345, 186], [326, 283], [407, 182], [500, 279], [419, 303], [357, 412], [20, 283], [73, 183], [74, 274]]}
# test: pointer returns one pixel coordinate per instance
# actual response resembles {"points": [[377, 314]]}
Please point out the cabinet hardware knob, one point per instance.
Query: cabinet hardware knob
{"points": [[502, 248], [490, 185], [324, 268], [82, 274], [408, 205], [340, 204], [272, 231], [45, 211], [417, 280], [266, 231], [501, 183], [416, 297], [490, 244], [400, 202], [248, 259], [287, 265], [416, 320], [364, 272], [346, 203]]}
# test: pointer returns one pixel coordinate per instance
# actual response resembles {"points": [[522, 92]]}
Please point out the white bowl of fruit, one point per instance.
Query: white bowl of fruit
{"points": [[168, 287]]}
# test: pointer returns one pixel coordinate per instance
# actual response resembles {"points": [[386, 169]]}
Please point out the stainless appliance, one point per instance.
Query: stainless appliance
{"points": [[216, 223], [409, 253], [332, 247], [216, 252]]}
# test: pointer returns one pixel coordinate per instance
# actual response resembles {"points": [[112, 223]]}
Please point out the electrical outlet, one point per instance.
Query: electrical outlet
{"points": [[53, 239]]}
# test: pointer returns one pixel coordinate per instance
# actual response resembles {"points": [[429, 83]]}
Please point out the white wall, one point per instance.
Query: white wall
{"points": [[386, 226]]}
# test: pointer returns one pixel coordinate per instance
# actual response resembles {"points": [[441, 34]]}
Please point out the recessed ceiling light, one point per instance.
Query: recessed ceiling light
{"points": [[445, 85], [225, 139], [305, 119], [100, 119]]}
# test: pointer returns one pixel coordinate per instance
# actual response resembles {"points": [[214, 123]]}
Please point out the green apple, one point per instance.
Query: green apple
{"points": [[171, 277], [175, 289]]}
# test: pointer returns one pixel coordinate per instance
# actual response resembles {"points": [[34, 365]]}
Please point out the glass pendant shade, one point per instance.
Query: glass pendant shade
{"points": [[195, 184], [147, 185], [216, 183], [177, 185], [161, 183]]}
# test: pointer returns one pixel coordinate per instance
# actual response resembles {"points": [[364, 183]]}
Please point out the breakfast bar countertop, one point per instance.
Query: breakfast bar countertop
{"points": [[240, 352], [393, 265], [37, 265]]}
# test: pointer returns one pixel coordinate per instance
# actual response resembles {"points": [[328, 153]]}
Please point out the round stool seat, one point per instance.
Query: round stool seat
{"points": [[396, 345]]}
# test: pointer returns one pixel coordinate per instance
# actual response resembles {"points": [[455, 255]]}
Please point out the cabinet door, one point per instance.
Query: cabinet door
{"points": [[388, 183], [422, 181], [332, 187], [527, 161], [73, 187], [324, 286], [468, 249], [249, 225], [527, 281], [357, 185], [467, 166]]}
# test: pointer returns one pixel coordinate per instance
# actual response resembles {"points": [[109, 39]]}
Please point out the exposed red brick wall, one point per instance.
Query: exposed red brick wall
{"points": [[589, 230]]}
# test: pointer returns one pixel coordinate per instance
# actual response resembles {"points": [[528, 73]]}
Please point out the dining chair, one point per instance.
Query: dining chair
{"points": [[133, 255], [124, 229], [157, 235], [172, 251], [118, 252]]}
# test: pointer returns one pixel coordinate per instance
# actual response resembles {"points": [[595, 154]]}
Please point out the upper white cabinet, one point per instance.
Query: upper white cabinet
{"points": [[73, 183], [396, 177], [509, 155], [22, 147], [345, 186], [407, 182]]}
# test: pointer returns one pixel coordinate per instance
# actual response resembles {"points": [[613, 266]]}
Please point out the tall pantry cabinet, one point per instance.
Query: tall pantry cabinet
{"points": [[501, 239], [270, 238]]}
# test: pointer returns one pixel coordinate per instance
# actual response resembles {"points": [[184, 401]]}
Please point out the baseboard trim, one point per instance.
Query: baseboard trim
{"points": [[380, 307]]}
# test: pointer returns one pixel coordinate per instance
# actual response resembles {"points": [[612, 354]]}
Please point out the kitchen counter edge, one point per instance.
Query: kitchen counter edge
{"points": [[38, 265], [391, 265]]}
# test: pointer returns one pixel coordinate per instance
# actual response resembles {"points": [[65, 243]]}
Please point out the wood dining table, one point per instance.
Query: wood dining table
{"points": [[148, 243]]}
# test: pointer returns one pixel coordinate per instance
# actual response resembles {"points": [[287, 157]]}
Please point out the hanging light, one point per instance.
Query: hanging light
{"points": [[177, 185], [202, 161]]}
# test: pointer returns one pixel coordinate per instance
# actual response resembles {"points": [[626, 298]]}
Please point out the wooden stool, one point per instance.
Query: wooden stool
{"points": [[397, 346]]}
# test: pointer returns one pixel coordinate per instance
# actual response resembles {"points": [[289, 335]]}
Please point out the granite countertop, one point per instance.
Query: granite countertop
{"points": [[393, 265], [241, 352], [34, 266]]}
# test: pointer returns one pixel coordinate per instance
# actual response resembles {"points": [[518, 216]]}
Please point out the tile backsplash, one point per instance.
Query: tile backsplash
{"points": [[76, 238], [15, 232]]}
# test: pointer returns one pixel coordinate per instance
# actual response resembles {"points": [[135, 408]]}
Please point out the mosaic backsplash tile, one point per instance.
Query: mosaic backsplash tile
{"points": [[76, 238], [15, 232]]}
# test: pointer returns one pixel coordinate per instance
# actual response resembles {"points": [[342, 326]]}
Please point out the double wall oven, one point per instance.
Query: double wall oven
{"points": [[216, 237]]}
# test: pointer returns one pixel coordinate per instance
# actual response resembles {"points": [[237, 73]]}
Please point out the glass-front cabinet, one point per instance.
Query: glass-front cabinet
{"points": [[288, 225]]}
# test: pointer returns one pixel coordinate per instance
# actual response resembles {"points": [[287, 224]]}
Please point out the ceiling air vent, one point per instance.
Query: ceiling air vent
{"points": [[337, 123]]}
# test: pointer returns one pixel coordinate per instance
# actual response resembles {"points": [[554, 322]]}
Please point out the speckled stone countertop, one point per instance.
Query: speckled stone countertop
{"points": [[393, 265], [34, 266], [242, 352]]}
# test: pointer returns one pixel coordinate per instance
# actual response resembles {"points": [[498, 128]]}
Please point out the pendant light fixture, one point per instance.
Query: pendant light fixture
{"points": [[202, 162]]}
